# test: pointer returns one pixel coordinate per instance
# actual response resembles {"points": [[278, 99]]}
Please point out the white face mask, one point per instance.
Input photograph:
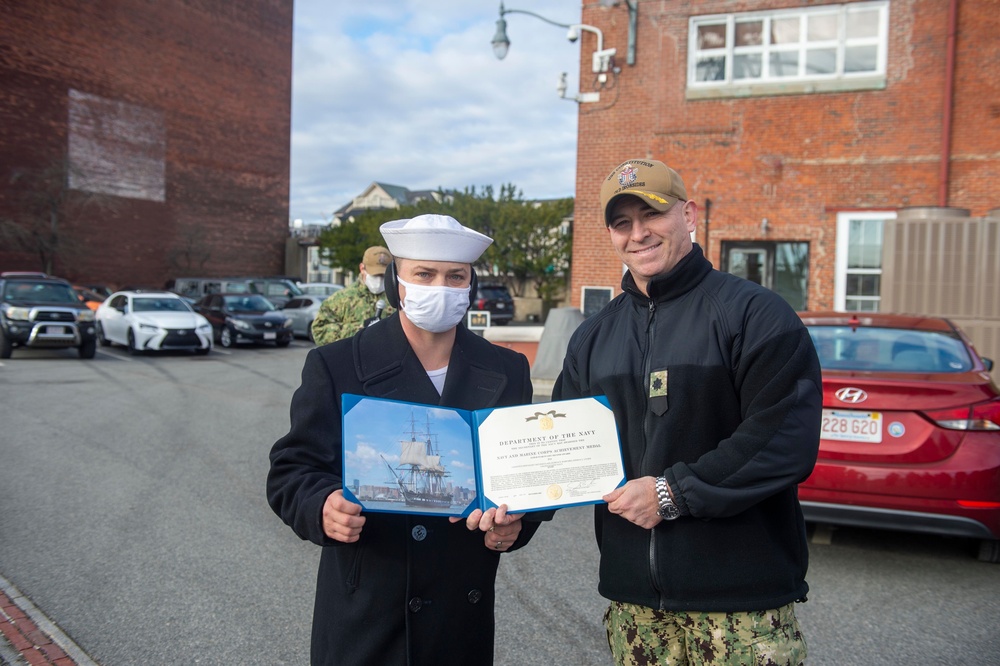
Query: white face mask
{"points": [[375, 283], [434, 309]]}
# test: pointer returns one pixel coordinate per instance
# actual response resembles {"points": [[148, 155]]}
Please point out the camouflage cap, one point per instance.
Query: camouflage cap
{"points": [[377, 259]]}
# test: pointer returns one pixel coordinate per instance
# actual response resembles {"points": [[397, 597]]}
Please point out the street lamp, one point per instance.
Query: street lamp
{"points": [[600, 61]]}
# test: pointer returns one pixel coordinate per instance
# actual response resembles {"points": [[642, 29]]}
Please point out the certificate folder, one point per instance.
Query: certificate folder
{"points": [[403, 457]]}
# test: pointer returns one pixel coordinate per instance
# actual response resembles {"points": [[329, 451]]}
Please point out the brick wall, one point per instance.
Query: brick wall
{"points": [[216, 78], [794, 159]]}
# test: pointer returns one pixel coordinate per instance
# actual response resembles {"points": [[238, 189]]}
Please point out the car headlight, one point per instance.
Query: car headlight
{"points": [[288, 323], [85, 315], [205, 328], [240, 324], [148, 327], [20, 314]]}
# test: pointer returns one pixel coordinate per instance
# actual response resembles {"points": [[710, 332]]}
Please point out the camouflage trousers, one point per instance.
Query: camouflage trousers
{"points": [[639, 636]]}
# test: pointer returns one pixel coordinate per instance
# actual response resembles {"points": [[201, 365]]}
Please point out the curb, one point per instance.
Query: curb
{"points": [[27, 636]]}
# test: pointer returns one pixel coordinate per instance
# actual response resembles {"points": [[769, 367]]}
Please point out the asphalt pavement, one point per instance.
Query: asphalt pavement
{"points": [[134, 527]]}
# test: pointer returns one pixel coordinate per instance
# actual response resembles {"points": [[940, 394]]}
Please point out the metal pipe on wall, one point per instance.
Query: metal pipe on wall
{"points": [[949, 96]]}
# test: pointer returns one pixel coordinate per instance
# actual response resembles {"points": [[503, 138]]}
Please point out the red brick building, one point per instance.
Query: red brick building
{"points": [[798, 127], [159, 131]]}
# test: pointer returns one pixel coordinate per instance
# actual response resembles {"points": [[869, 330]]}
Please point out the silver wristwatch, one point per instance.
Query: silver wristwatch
{"points": [[668, 510]]}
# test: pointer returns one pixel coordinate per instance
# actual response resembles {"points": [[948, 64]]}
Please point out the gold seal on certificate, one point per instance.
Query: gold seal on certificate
{"points": [[554, 491]]}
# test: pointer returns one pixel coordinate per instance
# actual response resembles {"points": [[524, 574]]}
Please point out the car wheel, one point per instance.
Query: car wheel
{"points": [[989, 550], [309, 332], [100, 336], [88, 349], [132, 349], [6, 346], [226, 337]]}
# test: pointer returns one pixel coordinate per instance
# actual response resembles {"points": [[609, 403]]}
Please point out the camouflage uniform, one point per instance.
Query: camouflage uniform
{"points": [[639, 636], [345, 313]]}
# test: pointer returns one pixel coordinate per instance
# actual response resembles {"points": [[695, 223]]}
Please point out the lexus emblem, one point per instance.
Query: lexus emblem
{"points": [[851, 395]]}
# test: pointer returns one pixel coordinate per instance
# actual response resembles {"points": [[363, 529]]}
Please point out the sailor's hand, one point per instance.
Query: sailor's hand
{"points": [[636, 502], [342, 519], [501, 528]]}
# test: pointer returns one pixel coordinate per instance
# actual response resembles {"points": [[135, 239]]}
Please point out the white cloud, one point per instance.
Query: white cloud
{"points": [[410, 93]]}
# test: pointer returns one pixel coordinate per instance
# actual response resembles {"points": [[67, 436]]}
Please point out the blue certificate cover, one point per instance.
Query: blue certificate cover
{"points": [[403, 457]]}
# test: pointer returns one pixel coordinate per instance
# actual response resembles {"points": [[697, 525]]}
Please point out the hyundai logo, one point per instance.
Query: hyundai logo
{"points": [[851, 395]]}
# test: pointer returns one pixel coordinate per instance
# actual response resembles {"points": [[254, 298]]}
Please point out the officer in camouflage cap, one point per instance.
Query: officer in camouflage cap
{"points": [[349, 310]]}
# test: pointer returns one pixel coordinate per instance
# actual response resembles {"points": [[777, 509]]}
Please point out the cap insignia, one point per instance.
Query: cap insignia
{"points": [[627, 176]]}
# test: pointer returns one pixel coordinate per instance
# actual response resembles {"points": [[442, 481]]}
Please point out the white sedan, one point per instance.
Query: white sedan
{"points": [[152, 321]]}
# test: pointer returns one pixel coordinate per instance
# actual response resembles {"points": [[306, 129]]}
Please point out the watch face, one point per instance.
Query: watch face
{"points": [[668, 512]]}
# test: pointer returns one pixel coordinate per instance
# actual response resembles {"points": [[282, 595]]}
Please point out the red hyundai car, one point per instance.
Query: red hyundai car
{"points": [[911, 429]]}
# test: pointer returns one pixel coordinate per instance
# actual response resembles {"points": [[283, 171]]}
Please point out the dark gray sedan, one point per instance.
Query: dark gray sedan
{"points": [[239, 318]]}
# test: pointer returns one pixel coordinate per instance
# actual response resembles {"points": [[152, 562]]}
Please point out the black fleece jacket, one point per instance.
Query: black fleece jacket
{"points": [[715, 385]]}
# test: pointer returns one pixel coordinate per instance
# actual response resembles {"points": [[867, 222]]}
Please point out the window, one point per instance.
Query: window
{"points": [[858, 279], [888, 349], [782, 267], [797, 50]]}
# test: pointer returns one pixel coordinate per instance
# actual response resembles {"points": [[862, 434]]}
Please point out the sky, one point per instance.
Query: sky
{"points": [[409, 93], [374, 429]]}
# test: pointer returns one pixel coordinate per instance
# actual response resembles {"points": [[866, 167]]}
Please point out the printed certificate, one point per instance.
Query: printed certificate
{"points": [[412, 458]]}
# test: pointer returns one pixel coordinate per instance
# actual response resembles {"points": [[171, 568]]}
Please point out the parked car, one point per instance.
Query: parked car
{"points": [[245, 318], [89, 298], [911, 429], [38, 310], [496, 299], [101, 290], [152, 321], [302, 310], [323, 289], [278, 290]]}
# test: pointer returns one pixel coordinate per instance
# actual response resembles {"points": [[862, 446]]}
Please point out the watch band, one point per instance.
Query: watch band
{"points": [[667, 510]]}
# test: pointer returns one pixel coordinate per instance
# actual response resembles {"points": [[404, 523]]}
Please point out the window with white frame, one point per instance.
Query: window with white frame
{"points": [[794, 50], [858, 265]]}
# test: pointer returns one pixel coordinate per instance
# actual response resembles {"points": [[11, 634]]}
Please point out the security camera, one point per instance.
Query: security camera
{"points": [[573, 34]]}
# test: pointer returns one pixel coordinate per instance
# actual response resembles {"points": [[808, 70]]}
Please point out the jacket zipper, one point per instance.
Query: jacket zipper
{"points": [[646, 361]]}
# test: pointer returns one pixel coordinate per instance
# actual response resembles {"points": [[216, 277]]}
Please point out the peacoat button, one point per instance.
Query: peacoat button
{"points": [[416, 603], [475, 596], [419, 532]]}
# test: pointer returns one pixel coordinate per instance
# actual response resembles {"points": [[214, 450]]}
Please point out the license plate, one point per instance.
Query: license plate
{"points": [[56, 330], [501, 306], [850, 426], [270, 336]]}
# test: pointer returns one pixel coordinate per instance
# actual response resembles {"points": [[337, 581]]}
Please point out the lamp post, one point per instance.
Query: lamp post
{"points": [[600, 61]]}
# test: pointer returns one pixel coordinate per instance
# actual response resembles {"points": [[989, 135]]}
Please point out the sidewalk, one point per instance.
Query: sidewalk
{"points": [[28, 637]]}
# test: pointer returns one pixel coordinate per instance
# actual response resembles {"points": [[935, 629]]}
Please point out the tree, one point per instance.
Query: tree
{"points": [[45, 202], [532, 242]]}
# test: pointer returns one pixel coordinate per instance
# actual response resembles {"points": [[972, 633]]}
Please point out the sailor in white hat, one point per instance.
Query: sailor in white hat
{"points": [[433, 281], [420, 354]]}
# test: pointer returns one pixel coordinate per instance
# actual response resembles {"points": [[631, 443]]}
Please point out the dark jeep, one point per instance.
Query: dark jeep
{"points": [[37, 310], [496, 299]]}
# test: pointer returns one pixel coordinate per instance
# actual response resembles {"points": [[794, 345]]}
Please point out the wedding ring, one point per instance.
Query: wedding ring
{"points": [[499, 543], [491, 529]]}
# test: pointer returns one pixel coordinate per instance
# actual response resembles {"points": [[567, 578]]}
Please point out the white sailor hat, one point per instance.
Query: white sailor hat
{"points": [[434, 238]]}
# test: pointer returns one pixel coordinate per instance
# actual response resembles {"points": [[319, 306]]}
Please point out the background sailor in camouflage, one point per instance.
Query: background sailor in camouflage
{"points": [[349, 310]]}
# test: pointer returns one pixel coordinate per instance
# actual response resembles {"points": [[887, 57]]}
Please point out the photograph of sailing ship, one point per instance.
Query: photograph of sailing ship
{"points": [[409, 458]]}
